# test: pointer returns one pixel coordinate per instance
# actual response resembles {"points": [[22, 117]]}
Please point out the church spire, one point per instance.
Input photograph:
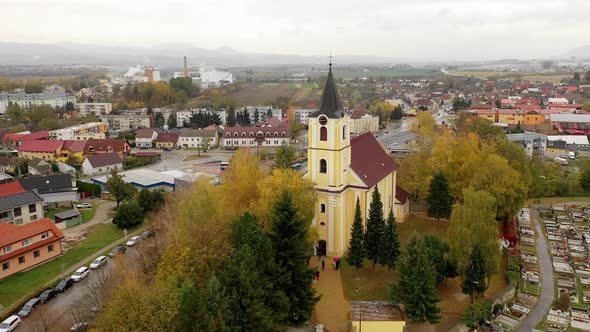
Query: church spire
{"points": [[330, 102]]}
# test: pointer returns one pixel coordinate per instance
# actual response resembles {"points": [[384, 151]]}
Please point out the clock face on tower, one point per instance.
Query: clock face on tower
{"points": [[323, 120]]}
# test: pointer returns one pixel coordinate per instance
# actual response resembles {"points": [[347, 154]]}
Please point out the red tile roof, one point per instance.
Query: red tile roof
{"points": [[43, 134], [94, 145], [167, 138], [41, 146], [401, 195], [11, 188], [369, 160], [12, 137], [10, 235], [360, 113], [73, 146]]}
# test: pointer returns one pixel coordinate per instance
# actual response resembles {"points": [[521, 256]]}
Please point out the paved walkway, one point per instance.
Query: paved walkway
{"points": [[103, 208], [333, 309], [546, 267]]}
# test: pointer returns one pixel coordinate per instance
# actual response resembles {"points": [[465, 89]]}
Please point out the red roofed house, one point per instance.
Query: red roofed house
{"points": [[362, 121], [235, 137], [166, 140], [22, 247], [106, 145], [19, 206], [48, 150], [13, 141], [344, 170]]}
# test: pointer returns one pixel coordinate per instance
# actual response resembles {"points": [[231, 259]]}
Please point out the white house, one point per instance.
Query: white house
{"points": [[145, 137], [101, 163], [192, 138], [235, 137]]}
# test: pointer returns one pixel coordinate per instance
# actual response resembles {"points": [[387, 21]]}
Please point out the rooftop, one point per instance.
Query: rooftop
{"points": [[104, 159], [41, 146], [369, 160], [375, 311]]}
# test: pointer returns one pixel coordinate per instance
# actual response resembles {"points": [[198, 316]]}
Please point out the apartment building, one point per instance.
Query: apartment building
{"points": [[19, 206], [50, 97], [81, 132], [129, 120], [97, 109]]}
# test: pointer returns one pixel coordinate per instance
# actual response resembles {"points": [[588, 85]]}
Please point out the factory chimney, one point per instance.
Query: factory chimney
{"points": [[185, 68]]}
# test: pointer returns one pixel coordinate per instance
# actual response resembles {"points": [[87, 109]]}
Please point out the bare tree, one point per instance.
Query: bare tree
{"points": [[43, 319]]}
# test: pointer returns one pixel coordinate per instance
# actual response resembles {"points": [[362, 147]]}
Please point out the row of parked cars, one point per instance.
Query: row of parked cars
{"points": [[12, 322]]}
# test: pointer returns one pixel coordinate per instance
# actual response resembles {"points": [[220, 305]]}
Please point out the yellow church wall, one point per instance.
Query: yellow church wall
{"points": [[378, 326]]}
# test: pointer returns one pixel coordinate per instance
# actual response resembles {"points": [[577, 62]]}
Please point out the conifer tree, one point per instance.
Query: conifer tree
{"points": [[439, 199], [474, 275], [375, 224], [288, 235], [416, 288], [390, 246], [356, 250]]}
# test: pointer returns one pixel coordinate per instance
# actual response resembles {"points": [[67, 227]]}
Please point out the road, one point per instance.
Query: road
{"points": [[546, 267], [79, 296], [174, 160]]}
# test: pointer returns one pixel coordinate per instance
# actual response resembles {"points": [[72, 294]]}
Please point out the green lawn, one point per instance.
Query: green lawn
{"points": [[554, 200], [20, 284], [88, 214], [51, 212]]}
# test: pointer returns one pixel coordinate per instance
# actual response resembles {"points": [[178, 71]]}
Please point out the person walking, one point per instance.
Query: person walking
{"points": [[323, 265]]}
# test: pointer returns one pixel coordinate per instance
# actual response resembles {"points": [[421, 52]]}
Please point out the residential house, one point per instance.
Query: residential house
{"points": [[362, 121], [145, 137], [102, 163], [74, 149], [192, 138], [81, 132], [47, 150], [19, 206], [23, 247], [166, 140], [38, 166], [55, 190], [8, 164], [13, 141], [98, 146]]}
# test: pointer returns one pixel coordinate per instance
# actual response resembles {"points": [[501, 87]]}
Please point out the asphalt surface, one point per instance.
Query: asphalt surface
{"points": [[77, 296], [546, 267]]}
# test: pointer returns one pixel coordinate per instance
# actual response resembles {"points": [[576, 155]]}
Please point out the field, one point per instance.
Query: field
{"points": [[528, 76], [267, 93]]}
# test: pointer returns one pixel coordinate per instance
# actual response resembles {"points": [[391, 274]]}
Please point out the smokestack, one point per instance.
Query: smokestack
{"points": [[185, 68]]}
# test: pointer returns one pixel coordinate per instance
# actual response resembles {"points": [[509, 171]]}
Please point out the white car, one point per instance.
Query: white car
{"points": [[132, 241], [98, 262], [10, 323], [80, 273], [84, 206]]}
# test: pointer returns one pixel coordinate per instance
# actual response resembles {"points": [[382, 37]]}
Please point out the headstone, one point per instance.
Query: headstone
{"points": [[319, 328]]}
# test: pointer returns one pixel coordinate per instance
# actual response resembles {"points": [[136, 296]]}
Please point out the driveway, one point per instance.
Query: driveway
{"points": [[546, 267], [103, 208]]}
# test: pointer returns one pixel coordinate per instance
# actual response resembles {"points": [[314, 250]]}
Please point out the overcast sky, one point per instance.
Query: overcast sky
{"points": [[421, 29]]}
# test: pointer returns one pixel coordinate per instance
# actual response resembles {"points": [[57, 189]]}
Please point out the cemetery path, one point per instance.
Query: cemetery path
{"points": [[547, 286]]}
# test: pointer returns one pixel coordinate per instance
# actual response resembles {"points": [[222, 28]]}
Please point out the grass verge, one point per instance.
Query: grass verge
{"points": [[88, 214], [196, 157]]}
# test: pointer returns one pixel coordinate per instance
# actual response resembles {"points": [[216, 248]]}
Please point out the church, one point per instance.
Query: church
{"points": [[345, 168]]}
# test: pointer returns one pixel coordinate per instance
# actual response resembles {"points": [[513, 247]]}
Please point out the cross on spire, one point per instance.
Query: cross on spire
{"points": [[330, 59]]}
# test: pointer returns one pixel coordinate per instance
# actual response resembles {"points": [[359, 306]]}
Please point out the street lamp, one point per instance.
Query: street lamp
{"points": [[356, 291]]}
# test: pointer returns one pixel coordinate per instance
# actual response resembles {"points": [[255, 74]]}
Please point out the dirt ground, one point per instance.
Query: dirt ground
{"points": [[333, 310]]}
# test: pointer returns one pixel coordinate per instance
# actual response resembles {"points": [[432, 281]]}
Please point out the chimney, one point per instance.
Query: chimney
{"points": [[185, 68]]}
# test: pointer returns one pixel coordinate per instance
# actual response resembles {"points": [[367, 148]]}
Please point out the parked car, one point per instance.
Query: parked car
{"points": [[117, 250], [47, 295], [132, 241], [148, 233], [10, 323], [167, 149], [98, 262], [64, 284], [28, 307], [80, 273], [84, 206]]}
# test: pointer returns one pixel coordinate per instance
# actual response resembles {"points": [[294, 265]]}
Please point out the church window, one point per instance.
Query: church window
{"points": [[322, 208], [323, 166], [323, 134], [344, 132]]}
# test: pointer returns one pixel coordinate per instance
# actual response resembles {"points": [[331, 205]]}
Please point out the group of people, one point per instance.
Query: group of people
{"points": [[335, 262]]}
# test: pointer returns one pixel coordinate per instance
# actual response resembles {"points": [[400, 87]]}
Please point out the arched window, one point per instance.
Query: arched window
{"points": [[323, 134], [322, 208], [323, 166], [344, 132]]}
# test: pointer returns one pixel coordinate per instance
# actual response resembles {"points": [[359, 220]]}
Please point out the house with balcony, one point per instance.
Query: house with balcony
{"points": [[19, 206]]}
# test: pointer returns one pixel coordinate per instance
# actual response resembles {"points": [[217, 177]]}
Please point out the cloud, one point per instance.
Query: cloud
{"points": [[419, 29]]}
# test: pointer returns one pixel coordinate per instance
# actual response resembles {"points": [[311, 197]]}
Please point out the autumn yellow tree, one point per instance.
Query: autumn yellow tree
{"points": [[303, 191]]}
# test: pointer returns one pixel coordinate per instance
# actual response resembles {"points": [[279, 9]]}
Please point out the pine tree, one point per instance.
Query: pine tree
{"points": [[439, 200], [288, 235], [474, 275], [390, 246], [356, 249], [375, 224], [416, 288], [285, 156]]}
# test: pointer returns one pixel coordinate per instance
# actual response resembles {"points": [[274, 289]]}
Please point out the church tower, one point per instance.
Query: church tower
{"points": [[329, 156]]}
